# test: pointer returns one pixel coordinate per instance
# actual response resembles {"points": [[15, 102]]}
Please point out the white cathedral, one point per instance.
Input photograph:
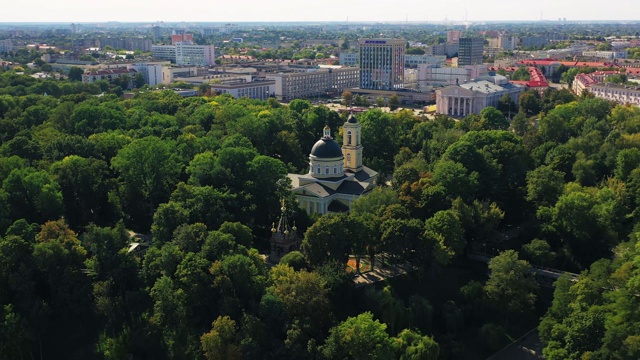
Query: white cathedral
{"points": [[336, 175]]}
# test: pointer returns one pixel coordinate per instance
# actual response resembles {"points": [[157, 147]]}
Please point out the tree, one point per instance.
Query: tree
{"points": [[510, 285], [492, 119], [394, 102], [410, 345], [358, 338], [75, 73], [544, 185], [218, 344], [347, 98], [149, 169]]}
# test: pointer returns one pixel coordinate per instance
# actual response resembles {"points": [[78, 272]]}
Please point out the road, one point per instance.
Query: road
{"points": [[527, 347]]}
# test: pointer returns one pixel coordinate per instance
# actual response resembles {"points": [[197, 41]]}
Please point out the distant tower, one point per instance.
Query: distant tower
{"points": [[351, 145], [470, 51], [284, 239]]}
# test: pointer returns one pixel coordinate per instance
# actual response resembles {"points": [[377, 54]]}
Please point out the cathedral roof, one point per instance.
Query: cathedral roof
{"points": [[352, 119], [326, 148]]}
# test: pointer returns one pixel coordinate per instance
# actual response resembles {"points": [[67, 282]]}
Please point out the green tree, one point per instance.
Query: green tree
{"points": [[394, 102], [410, 345], [75, 73], [219, 343], [359, 337], [510, 285], [149, 169]]}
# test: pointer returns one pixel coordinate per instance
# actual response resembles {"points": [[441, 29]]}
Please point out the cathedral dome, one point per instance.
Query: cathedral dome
{"points": [[326, 148]]}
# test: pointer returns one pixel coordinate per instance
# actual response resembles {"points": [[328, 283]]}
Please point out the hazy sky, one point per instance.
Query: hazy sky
{"points": [[323, 10]]}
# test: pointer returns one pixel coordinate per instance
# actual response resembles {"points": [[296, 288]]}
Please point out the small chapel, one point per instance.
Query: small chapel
{"points": [[336, 175]]}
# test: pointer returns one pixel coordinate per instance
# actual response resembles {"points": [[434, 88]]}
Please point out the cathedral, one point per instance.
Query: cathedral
{"points": [[336, 175]]}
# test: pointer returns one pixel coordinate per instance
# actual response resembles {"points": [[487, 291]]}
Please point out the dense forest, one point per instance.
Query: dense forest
{"points": [[556, 186]]}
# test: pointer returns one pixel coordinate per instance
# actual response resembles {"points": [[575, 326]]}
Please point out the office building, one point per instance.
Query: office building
{"points": [[381, 63], [470, 51], [349, 59], [185, 54], [294, 85], [453, 36]]}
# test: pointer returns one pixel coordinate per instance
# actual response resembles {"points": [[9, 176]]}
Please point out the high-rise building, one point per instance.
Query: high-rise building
{"points": [[453, 36], [470, 51], [381, 63]]}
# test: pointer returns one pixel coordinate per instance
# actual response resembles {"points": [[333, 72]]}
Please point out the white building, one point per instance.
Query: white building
{"points": [[349, 59], [151, 72], [184, 53], [164, 52], [471, 98], [429, 75], [606, 54], [200, 55], [290, 86], [336, 174], [244, 86], [618, 93]]}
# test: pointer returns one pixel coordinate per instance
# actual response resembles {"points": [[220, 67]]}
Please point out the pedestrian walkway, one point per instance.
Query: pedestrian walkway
{"points": [[381, 274]]}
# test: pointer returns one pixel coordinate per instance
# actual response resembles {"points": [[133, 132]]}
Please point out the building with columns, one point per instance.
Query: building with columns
{"points": [[336, 174], [472, 97]]}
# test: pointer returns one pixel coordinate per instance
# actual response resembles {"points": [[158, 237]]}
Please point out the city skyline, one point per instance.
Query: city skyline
{"points": [[330, 10]]}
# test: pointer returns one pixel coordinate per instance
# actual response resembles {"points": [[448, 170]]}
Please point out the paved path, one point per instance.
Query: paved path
{"points": [[527, 347], [380, 274]]}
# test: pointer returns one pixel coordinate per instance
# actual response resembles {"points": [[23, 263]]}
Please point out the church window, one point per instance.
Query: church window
{"points": [[335, 169], [348, 159], [319, 170], [348, 137], [326, 169]]}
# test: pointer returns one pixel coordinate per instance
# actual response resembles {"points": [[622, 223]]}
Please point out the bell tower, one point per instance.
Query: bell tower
{"points": [[351, 144]]}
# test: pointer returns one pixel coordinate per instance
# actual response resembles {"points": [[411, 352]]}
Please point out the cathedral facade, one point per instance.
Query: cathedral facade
{"points": [[336, 175]]}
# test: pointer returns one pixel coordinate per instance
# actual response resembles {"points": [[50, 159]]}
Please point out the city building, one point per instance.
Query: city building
{"points": [[381, 63], [448, 50], [413, 61], [349, 59], [294, 85], [131, 44], [189, 54], [107, 74], [164, 52], [581, 83], [336, 174], [170, 73], [470, 51], [181, 38], [185, 54], [470, 98], [430, 75], [453, 36], [6, 46], [619, 93], [244, 86], [606, 54], [152, 72]]}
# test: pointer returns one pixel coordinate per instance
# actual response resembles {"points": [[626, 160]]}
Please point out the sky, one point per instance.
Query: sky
{"points": [[322, 10]]}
